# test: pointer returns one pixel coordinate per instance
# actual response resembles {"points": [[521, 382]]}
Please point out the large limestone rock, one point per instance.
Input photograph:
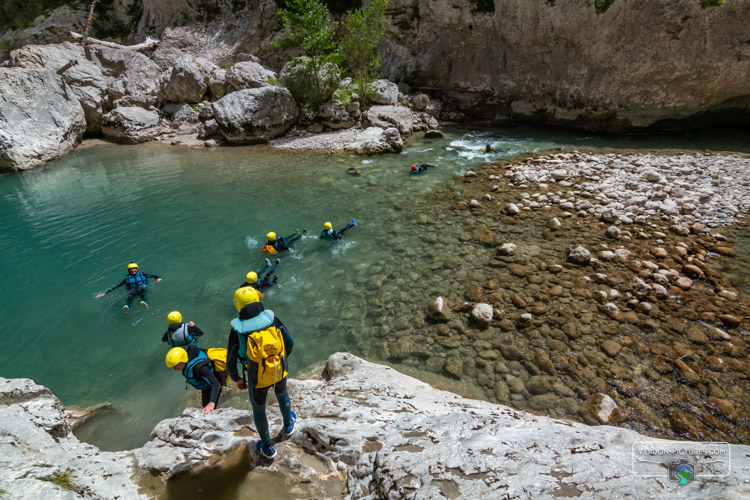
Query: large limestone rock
{"points": [[193, 441], [335, 116], [134, 79], [131, 125], [383, 92], [392, 116], [362, 428], [255, 115], [408, 437], [85, 77], [37, 446], [187, 80], [375, 140], [248, 75], [40, 118]]}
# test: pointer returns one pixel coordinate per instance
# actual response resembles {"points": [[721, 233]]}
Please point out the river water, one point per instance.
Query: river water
{"points": [[198, 218]]}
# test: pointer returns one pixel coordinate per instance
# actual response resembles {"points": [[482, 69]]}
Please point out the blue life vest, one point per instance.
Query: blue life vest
{"points": [[244, 327], [138, 280], [191, 371], [180, 337]]}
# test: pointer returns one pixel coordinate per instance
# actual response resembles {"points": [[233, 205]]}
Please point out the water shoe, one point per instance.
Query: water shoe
{"points": [[289, 429], [268, 452]]}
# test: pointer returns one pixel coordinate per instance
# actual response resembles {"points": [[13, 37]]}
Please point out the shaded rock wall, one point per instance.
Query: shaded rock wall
{"points": [[636, 64]]}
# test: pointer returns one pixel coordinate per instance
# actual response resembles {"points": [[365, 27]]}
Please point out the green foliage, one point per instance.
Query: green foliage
{"points": [[312, 78], [711, 3], [344, 95], [61, 479], [107, 23], [310, 85], [19, 14], [238, 5], [8, 43], [364, 29], [208, 9], [484, 5], [603, 5]]}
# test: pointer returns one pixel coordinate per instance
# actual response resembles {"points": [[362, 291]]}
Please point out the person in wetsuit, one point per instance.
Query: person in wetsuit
{"points": [[421, 168], [137, 284], [275, 245], [259, 281], [180, 334], [329, 233], [262, 344], [488, 149], [199, 371]]}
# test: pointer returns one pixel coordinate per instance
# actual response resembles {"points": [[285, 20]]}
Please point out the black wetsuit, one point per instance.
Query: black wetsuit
{"points": [[210, 395], [194, 331]]}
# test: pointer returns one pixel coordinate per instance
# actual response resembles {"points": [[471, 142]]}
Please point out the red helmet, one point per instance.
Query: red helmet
{"points": [[413, 167]]}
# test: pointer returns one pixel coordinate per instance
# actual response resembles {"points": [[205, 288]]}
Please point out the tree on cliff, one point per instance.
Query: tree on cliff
{"points": [[364, 29], [312, 78]]}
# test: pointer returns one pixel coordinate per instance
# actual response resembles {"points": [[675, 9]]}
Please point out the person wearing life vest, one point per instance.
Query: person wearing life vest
{"points": [[329, 233], [421, 168], [262, 279], [199, 372], [275, 245], [488, 149], [137, 284], [180, 334], [262, 344]]}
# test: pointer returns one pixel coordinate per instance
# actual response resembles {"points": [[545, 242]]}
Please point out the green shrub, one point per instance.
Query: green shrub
{"points": [[309, 83], [603, 5], [711, 3], [484, 5]]}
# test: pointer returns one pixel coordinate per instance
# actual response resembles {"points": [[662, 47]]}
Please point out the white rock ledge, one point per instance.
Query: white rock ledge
{"points": [[384, 434]]}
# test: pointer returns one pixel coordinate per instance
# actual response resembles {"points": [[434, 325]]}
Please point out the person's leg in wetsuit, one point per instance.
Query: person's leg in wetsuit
{"points": [[258, 401]]}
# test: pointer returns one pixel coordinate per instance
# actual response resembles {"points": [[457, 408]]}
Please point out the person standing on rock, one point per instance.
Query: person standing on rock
{"points": [[275, 245], [202, 370], [329, 233], [262, 344], [137, 284]]}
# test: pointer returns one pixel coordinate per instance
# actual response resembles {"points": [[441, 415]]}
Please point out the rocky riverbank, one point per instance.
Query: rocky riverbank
{"points": [[127, 97], [364, 431], [566, 277]]}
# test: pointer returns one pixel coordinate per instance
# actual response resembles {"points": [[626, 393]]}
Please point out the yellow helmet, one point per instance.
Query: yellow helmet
{"points": [[176, 355], [328, 226], [174, 318], [244, 296], [251, 277], [271, 236], [132, 265]]}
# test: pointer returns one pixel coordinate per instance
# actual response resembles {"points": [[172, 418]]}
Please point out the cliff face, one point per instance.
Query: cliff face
{"points": [[662, 63], [637, 64]]}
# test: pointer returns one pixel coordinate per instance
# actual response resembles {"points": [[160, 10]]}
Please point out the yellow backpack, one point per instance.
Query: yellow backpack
{"points": [[266, 348], [218, 357]]}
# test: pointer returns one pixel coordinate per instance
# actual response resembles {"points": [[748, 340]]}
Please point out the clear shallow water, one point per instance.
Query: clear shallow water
{"points": [[198, 219]]}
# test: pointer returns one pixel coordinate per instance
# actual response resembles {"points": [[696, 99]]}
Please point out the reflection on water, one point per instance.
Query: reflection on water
{"points": [[198, 219]]}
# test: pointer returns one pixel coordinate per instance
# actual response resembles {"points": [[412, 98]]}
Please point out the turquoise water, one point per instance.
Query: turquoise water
{"points": [[198, 219]]}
